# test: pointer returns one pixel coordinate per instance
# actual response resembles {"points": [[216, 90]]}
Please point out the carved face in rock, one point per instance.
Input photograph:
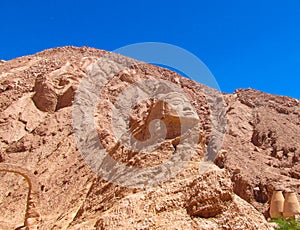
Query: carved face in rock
{"points": [[179, 106], [169, 117]]}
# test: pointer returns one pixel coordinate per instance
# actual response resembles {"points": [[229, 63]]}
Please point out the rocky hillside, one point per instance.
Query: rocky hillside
{"points": [[43, 145], [262, 145]]}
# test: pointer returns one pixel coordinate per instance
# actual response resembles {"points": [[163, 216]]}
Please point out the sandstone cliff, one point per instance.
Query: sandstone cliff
{"points": [[260, 151]]}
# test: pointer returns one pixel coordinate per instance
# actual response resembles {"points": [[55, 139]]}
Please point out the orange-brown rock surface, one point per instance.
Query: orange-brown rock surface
{"points": [[261, 148], [37, 95]]}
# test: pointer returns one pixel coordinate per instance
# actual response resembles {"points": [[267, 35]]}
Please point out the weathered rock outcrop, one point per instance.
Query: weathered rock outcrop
{"points": [[32, 215], [37, 132], [262, 145]]}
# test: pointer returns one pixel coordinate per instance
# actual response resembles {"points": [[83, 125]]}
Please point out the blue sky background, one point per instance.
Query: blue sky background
{"points": [[244, 43]]}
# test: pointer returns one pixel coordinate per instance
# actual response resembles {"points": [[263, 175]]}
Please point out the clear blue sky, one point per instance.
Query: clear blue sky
{"points": [[244, 43]]}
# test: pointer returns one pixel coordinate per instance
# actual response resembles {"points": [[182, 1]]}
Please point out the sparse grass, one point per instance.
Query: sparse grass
{"points": [[287, 224]]}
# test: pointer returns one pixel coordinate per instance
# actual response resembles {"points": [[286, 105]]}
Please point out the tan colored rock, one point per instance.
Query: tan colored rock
{"points": [[39, 135], [157, 209], [262, 144], [12, 130], [32, 216], [45, 97], [211, 195]]}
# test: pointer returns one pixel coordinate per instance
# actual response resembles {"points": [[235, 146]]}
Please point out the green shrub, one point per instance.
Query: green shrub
{"points": [[287, 224]]}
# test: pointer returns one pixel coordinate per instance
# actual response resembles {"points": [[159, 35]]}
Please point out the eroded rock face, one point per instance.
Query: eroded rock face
{"points": [[262, 148], [57, 90], [45, 97], [167, 207], [36, 98], [32, 215], [211, 195]]}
